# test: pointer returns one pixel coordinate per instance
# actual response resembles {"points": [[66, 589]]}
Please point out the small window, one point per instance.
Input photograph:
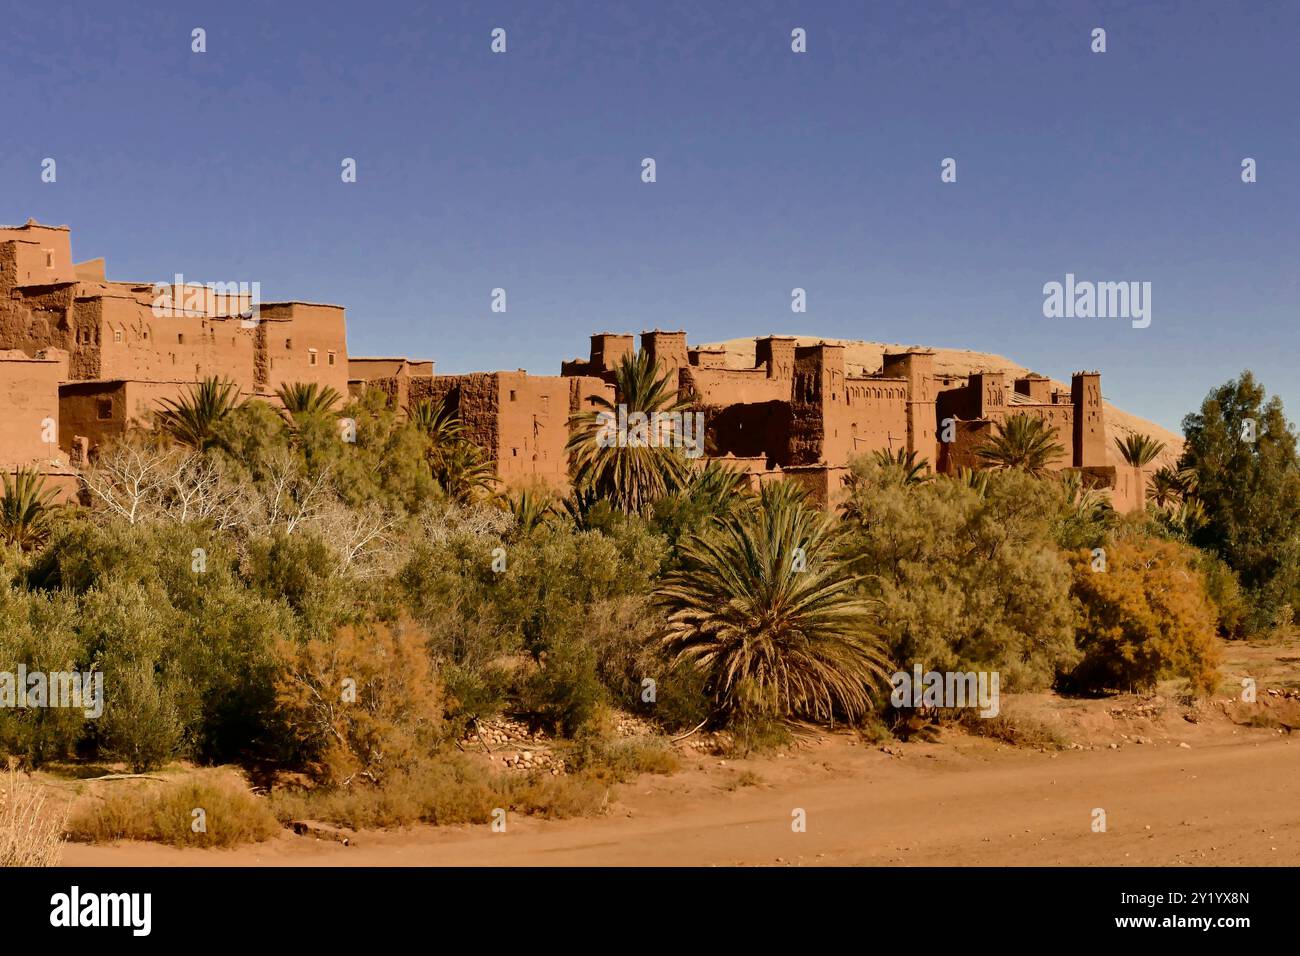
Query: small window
{"points": [[146, 335], [331, 361], [512, 395], [311, 356], [104, 409], [117, 335], [514, 452], [288, 343], [180, 338], [49, 258]]}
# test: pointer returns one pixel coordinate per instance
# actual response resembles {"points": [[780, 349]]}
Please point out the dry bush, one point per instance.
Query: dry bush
{"points": [[165, 814], [31, 834], [363, 703], [449, 790], [1018, 730]]}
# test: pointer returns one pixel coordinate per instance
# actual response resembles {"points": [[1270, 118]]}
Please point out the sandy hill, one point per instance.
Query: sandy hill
{"points": [[868, 357]]}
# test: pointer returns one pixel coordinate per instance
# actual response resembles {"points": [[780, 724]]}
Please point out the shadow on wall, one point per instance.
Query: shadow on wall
{"points": [[750, 431]]}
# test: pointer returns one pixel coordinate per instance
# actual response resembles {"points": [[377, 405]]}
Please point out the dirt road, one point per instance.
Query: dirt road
{"points": [[1232, 800]]}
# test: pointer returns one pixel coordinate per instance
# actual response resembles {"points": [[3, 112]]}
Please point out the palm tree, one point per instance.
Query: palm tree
{"points": [[436, 420], [308, 398], [25, 509], [716, 483], [632, 474], [1166, 487], [902, 467], [1085, 506], [1139, 450], [768, 611], [464, 473], [530, 509], [973, 478], [1190, 517], [194, 419], [1022, 442]]}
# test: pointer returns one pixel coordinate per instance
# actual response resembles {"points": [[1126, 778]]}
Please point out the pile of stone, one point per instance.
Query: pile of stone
{"points": [[512, 746], [501, 732], [529, 761], [717, 742], [1152, 707], [630, 725]]}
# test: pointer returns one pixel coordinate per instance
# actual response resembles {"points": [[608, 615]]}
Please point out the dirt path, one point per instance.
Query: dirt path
{"points": [[1235, 800]]}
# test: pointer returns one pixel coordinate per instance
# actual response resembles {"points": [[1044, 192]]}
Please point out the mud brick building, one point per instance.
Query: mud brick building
{"points": [[799, 413], [83, 358], [521, 421], [96, 355]]}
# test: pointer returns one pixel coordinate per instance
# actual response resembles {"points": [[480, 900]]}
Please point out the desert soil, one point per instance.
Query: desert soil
{"points": [[1175, 792]]}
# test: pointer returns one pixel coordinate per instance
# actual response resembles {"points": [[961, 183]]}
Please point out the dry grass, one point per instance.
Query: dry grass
{"points": [[31, 834], [1018, 730], [449, 790], [164, 813]]}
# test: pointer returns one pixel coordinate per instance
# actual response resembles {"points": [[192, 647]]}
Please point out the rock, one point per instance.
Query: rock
{"points": [[1185, 745], [322, 831]]}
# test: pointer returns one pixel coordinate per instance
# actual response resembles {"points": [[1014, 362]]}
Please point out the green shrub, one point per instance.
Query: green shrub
{"points": [[39, 631], [1225, 593], [967, 578]]}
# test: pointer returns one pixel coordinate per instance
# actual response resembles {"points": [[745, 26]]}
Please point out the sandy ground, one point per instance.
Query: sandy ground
{"points": [[1228, 798]]}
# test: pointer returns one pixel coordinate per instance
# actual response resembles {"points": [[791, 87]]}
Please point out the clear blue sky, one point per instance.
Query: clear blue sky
{"points": [[775, 170]]}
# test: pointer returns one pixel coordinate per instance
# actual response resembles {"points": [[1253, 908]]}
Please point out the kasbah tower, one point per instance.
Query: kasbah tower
{"points": [[83, 358]]}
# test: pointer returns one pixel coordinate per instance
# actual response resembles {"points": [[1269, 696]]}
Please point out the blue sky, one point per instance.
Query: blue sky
{"points": [[775, 170]]}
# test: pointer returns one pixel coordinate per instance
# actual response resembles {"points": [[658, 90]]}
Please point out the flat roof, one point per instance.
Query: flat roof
{"points": [[323, 305]]}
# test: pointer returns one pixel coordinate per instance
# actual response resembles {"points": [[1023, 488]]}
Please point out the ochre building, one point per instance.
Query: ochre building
{"points": [[83, 358]]}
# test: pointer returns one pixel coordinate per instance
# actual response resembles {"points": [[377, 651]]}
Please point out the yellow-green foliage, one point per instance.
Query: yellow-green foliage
{"points": [[1145, 617]]}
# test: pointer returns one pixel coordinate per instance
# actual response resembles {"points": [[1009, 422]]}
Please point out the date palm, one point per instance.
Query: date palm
{"points": [[1139, 450], [308, 398], [973, 478], [1166, 487], [194, 419], [1022, 442], [464, 473], [436, 420], [531, 509], [630, 474], [1085, 508], [902, 467], [25, 509], [764, 606]]}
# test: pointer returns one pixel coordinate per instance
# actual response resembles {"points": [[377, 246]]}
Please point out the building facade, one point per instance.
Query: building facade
{"points": [[83, 358]]}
